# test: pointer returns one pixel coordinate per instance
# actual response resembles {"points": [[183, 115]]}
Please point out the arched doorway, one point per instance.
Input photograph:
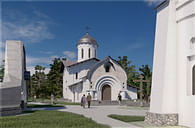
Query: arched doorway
{"points": [[106, 92]]}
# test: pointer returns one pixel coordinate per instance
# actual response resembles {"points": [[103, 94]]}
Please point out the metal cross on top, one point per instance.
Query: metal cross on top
{"points": [[87, 29], [141, 81]]}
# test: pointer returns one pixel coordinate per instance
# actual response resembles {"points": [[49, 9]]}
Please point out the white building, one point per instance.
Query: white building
{"points": [[173, 82], [104, 79]]}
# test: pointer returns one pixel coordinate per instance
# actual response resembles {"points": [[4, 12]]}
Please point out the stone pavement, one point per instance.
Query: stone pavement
{"points": [[100, 114]]}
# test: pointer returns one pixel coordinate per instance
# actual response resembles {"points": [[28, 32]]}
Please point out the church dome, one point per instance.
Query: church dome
{"points": [[87, 40]]}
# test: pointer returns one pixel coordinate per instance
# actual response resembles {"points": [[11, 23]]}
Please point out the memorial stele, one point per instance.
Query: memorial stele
{"points": [[13, 90]]}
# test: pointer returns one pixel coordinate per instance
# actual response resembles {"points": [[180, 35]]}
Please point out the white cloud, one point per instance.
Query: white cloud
{"points": [[152, 2], [35, 60], [18, 25], [69, 54], [32, 70], [39, 60]]}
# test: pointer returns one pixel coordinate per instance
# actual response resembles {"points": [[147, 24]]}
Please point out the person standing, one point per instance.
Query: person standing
{"points": [[119, 98], [89, 100], [83, 101]]}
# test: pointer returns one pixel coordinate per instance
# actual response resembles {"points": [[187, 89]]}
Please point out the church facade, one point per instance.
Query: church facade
{"points": [[103, 79]]}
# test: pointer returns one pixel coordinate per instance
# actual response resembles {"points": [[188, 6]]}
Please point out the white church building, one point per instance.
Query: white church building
{"points": [[103, 79], [173, 80]]}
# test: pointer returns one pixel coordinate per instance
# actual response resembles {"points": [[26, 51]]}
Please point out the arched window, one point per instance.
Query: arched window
{"points": [[76, 75], [193, 80], [107, 67], [82, 53], [95, 52], [89, 53]]}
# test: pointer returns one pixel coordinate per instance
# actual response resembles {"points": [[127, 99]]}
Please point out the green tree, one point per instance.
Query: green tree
{"points": [[129, 68], [55, 78], [37, 81], [2, 69], [146, 72]]}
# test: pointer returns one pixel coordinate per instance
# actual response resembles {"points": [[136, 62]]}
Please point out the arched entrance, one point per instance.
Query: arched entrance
{"points": [[106, 92]]}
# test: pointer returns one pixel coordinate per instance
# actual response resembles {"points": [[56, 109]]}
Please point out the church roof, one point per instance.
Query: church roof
{"points": [[73, 63], [87, 40], [94, 67], [68, 63]]}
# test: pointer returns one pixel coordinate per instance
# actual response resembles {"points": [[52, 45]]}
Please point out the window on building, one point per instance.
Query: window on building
{"points": [[193, 80], [76, 75], [95, 52], [89, 53], [82, 53], [107, 67]]}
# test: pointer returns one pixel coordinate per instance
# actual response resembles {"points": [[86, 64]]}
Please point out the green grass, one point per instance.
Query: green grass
{"points": [[49, 119], [42, 106], [127, 118]]}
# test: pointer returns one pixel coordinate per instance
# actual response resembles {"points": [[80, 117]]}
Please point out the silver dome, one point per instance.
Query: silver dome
{"points": [[87, 40]]}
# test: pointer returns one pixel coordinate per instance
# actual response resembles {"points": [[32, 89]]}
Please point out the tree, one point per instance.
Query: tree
{"points": [[146, 72], [38, 80], [55, 78], [2, 69], [129, 68]]}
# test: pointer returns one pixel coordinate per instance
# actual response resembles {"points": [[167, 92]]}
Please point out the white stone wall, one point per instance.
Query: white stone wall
{"points": [[174, 55], [69, 77], [86, 47], [164, 69], [185, 60], [116, 78]]}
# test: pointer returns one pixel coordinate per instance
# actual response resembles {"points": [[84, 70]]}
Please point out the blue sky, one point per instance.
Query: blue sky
{"points": [[52, 29]]}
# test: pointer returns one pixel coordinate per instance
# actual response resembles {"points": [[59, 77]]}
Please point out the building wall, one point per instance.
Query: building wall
{"points": [[161, 87], [116, 78], [185, 61], [86, 47], [69, 77], [174, 57]]}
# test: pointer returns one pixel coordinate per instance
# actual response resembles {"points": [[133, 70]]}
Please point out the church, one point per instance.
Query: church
{"points": [[103, 79]]}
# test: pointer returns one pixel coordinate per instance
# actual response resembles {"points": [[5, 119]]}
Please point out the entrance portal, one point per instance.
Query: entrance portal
{"points": [[106, 92]]}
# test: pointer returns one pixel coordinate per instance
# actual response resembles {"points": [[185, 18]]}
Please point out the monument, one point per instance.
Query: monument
{"points": [[173, 81], [13, 90]]}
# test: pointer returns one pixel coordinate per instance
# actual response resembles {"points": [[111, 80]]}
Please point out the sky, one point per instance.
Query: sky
{"points": [[51, 29]]}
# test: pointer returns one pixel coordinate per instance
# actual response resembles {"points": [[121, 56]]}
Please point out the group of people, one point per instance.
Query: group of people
{"points": [[84, 100], [88, 100]]}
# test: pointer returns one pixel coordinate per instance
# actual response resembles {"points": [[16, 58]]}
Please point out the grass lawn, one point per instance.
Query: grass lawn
{"points": [[127, 118], [49, 119]]}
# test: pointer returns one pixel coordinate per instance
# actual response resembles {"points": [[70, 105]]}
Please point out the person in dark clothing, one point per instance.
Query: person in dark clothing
{"points": [[119, 98]]}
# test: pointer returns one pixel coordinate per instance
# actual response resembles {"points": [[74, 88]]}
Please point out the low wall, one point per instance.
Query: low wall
{"points": [[161, 119]]}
